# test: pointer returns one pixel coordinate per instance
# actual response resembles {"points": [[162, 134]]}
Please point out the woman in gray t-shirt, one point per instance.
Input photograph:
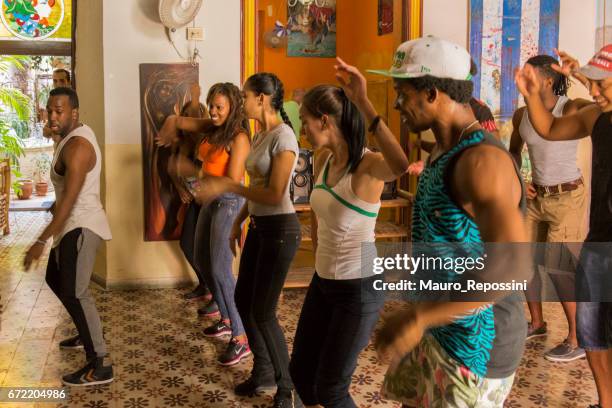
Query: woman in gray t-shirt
{"points": [[273, 237]]}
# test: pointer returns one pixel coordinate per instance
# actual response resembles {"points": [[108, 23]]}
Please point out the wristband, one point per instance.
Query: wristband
{"points": [[374, 125], [41, 242]]}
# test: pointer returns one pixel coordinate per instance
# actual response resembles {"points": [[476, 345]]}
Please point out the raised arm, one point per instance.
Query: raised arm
{"points": [[570, 127], [169, 133], [394, 163]]}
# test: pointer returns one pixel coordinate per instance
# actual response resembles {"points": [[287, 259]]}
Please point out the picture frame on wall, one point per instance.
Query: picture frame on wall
{"points": [[312, 28], [385, 17]]}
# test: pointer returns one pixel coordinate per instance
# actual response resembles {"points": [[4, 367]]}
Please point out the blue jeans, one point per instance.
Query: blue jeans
{"points": [[335, 325], [214, 257]]}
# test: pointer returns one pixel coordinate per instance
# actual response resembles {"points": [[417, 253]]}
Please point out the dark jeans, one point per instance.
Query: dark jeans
{"points": [[214, 256], [188, 239], [335, 325], [270, 246]]}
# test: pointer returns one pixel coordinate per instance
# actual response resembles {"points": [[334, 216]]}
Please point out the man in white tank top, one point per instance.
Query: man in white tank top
{"points": [[556, 199], [78, 227]]}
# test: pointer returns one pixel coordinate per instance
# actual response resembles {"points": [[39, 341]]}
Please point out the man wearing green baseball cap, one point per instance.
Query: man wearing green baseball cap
{"points": [[462, 352]]}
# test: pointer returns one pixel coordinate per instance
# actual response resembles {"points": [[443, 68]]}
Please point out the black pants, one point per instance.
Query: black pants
{"points": [[188, 239], [335, 325], [270, 246], [69, 271]]}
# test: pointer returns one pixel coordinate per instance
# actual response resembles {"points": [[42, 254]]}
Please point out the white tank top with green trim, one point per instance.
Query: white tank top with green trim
{"points": [[346, 223]]}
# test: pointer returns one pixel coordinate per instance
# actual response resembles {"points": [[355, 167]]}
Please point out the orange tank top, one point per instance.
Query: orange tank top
{"points": [[214, 160]]}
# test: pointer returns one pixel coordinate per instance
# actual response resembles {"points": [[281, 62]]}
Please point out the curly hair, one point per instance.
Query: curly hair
{"points": [[236, 122], [459, 91]]}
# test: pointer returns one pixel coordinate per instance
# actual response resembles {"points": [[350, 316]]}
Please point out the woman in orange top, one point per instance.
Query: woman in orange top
{"points": [[223, 151]]}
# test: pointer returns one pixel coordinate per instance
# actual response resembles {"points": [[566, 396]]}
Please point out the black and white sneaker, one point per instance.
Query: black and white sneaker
{"points": [[73, 343], [235, 352], [96, 372], [218, 329], [252, 386]]}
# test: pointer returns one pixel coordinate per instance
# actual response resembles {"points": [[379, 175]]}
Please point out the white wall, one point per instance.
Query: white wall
{"points": [[133, 35], [129, 33], [446, 19]]}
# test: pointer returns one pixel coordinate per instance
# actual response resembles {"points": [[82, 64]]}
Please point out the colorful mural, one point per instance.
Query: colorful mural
{"points": [[34, 19], [503, 35], [311, 28]]}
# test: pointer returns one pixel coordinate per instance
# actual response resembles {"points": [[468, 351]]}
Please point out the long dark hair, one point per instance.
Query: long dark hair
{"points": [[268, 84], [236, 121], [332, 101], [544, 63]]}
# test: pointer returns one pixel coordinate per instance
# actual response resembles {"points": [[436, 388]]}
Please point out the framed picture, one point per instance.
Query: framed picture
{"points": [[312, 26], [164, 90], [385, 17]]}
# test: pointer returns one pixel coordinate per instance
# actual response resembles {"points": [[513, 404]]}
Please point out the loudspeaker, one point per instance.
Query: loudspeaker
{"points": [[389, 191], [302, 179]]}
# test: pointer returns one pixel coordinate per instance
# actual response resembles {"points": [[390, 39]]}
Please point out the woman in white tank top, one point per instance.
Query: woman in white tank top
{"points": [[341, 308]]}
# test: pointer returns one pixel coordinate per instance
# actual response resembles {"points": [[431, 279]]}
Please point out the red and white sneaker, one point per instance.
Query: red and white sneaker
{"points": [[218, 329], [235, 352]]}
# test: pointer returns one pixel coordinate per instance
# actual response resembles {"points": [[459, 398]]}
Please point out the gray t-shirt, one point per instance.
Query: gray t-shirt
{"points": [[265, 146]]}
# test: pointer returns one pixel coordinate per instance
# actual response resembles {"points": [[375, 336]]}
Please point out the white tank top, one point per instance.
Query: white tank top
{"points": [[552, 162], [346, 223], [87, 211]]}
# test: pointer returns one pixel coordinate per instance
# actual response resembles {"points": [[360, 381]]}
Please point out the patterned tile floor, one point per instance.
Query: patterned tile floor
{"points": [[162, 360]]}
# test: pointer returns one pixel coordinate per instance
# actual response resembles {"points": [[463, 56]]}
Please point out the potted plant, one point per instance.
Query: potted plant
{"points": [[42, 163], [14, 104], [25, 187]]}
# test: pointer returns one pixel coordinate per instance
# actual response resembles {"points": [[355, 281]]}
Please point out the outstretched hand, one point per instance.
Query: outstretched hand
{"points": [[352, 81], [527, 81]]}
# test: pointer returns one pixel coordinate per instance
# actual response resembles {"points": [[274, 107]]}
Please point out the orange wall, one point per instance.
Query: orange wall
{"points": [[357, 42]]}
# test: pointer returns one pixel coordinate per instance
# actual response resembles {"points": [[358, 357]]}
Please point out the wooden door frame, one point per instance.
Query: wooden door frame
{"points": [[412, 27]]}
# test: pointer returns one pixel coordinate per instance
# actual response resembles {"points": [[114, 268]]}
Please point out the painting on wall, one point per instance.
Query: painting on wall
{"points": [[164, 89], [312, 28], [504, 34], [385, 17]]}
